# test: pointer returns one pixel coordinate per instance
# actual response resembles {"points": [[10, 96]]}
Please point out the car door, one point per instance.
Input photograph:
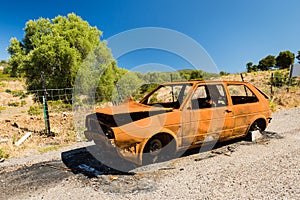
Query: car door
{"points": [[207, 115], [244, 106]]}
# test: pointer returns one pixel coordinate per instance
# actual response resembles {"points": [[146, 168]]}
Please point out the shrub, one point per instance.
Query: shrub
{"points": [[59, 105], [2, 108], [3, 153], [8, 91], [13, 104], [34, 110], [279, 79], [23, 103]]}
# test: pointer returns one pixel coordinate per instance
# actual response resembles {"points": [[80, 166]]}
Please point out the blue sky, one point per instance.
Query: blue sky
{"points": [[233, 32]]}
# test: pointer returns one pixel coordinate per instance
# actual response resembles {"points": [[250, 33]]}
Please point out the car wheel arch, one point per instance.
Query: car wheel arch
{"points": [[162, 135], [260, 121]]}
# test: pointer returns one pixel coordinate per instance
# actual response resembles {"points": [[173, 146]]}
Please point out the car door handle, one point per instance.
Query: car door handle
{"points": [[228, 111]]}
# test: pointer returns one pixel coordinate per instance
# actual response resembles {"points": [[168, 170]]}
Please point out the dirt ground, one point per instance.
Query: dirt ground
{"points": [[266, 169]]}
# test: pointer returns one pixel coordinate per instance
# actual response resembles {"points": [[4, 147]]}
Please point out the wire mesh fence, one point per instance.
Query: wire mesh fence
{"points": [[64, 94]]}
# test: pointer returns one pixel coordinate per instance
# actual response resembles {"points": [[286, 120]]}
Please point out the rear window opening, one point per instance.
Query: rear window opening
{"points": [[241, 94]]}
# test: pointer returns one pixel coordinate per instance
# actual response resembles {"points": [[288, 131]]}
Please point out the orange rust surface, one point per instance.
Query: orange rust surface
{"points": [[128, 107]]}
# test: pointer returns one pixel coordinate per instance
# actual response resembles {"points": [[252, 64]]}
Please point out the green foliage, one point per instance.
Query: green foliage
{"points": [[223, 73], [59, 105], [3, 62], [6, 76], [108, 80], [17, 93], [272, 105], [285, 59], [8, 91], [251, 68], [126, 86], [2, 108], [266, 63], [58, 47], [13, 104], [23, 103], [4, 153], [49, 148], [17, 58], [279, 79], [7, 69], [35, 110], [194, 75]]}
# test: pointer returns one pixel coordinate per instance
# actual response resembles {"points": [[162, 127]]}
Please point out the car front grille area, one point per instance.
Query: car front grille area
{"points": [[93, 125]]}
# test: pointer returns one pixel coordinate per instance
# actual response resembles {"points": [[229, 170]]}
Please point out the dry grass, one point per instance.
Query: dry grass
{"points": [[12, 129]]}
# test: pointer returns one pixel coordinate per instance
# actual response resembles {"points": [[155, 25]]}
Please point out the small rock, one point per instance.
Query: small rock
{"points": [[15, 125], [113, 177], [3, 140], [227, 154], [255, 135], [231, 149]]}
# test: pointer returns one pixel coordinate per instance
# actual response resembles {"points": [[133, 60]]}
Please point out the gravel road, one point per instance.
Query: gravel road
{"points": [[266, 169]]}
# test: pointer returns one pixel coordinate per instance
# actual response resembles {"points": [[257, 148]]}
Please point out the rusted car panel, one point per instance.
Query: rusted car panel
{"points": [[179, 116]]}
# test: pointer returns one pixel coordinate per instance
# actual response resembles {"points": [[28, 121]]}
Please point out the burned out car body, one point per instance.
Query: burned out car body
{"points": [[178, 116]]}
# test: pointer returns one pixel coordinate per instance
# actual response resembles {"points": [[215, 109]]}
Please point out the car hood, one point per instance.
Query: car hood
{"points": [[127, 112]]}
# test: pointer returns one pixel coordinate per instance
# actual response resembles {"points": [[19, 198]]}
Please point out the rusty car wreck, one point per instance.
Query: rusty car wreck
{"points": [[178, 116]]}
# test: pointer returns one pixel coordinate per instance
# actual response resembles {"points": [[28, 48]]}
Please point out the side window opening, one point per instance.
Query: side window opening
{"points": [[241, 94], [208, 96]]}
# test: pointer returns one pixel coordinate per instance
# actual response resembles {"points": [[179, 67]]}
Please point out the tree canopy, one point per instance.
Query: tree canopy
{"points": [[285, 59], [266, 63], [282, 61], [57, 47]]}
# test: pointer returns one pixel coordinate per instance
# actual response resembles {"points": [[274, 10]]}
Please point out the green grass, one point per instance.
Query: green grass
{"points": [[13, 104], [50, 148], [3, 153], [35, 110], [6, 77], [2, 108], [59, 105]]}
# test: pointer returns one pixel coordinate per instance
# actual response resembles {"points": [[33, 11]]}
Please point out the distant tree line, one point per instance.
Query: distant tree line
{"points": [[282, 61]]}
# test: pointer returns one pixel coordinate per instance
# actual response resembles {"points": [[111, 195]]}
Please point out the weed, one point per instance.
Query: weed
{"points": [[34, 110], [272, 106], [8, 91], [59, 105], [13, 104], [14, 138], [2, 108], [49, 148], [3, 153], [23, 103], [2, 84]]}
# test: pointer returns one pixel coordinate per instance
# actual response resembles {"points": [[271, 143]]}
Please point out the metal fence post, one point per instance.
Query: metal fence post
{"points": [[45, 105], [272, 82]]}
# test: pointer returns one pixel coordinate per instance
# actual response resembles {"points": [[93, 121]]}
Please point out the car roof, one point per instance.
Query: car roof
{"points": [[205, 81]]}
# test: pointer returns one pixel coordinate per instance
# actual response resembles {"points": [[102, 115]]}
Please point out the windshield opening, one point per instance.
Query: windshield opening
{"points": [[168, 96]]}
